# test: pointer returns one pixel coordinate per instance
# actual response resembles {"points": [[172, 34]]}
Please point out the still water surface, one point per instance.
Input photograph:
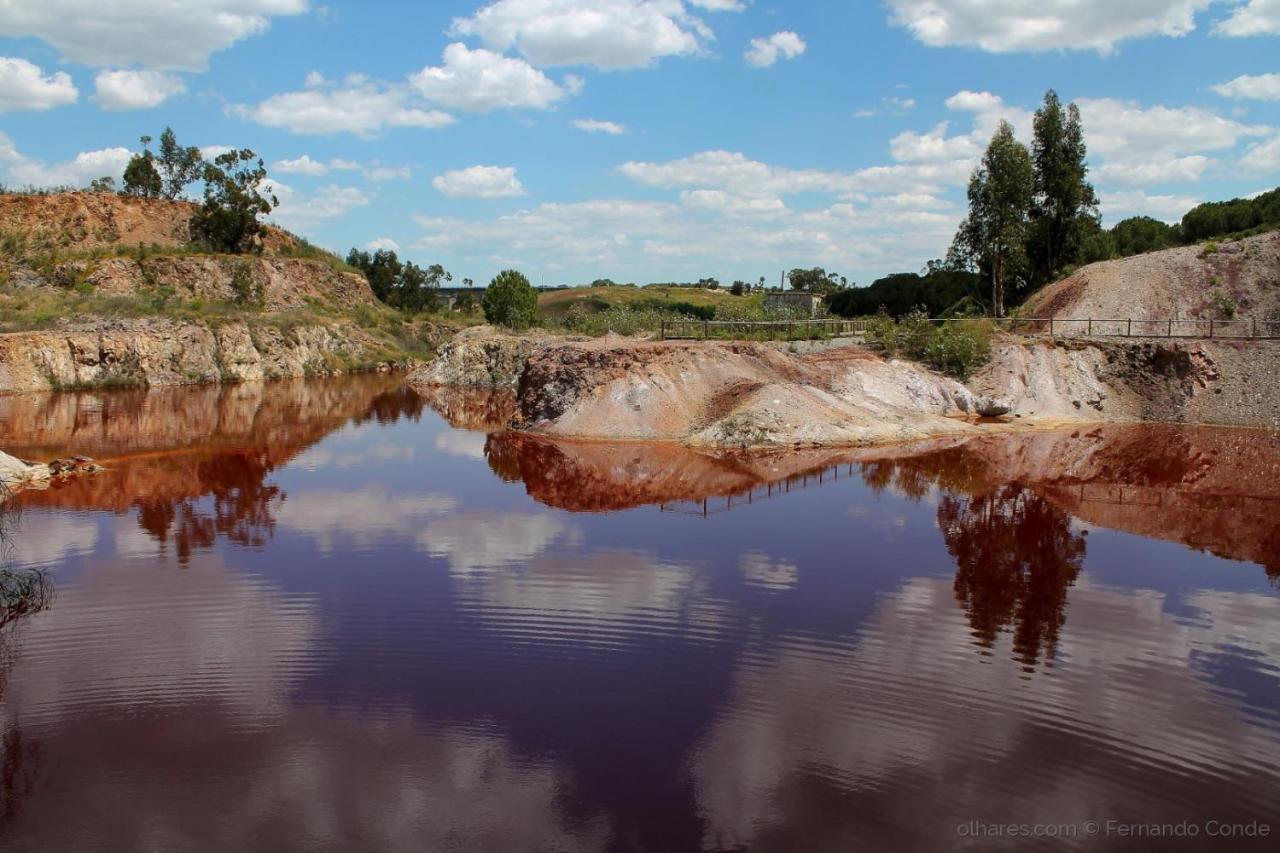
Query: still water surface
{"points": [[339, 616]]}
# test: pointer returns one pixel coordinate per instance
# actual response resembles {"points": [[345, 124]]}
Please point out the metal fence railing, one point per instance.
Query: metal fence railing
{"points": [[1250, 328], [754, 330]]}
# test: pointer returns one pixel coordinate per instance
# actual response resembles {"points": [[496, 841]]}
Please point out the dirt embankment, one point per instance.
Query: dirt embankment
{"points": [[746, 394], [733, 394], [1228, 383], [1240, 278]]}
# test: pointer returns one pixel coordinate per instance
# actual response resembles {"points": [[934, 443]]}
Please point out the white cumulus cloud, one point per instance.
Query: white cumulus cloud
{"points": [[1263, 157], [481, 80], [83, 168], [1257, 87], [1016, 25], [135, 90], [24, 86], [764, 52], [479, 182], [591, 125], [301, 212], [174, 35], [303, 165], [607, 34], [1140, 145], [1255, 18], [357, 105]]}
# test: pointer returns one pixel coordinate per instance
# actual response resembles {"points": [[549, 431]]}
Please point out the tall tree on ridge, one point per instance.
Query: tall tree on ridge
{"points": [[993, 237], [1065, 202]]}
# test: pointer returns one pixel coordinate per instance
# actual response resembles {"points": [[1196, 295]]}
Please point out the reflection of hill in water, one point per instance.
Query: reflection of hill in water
{"points": [[196, 468], [1212, 489]]}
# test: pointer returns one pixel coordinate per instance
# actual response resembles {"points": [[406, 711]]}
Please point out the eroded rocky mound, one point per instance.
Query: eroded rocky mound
{"points": [[482, 357], [736, 394]]}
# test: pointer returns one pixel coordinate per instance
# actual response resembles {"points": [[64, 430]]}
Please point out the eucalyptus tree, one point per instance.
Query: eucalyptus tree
{"points": [[1066, 207], [993, 237]]}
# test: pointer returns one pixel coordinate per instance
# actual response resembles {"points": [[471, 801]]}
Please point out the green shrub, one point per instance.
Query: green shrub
{"points": [[1210, 248], [510, 300], [960, 347], [1223, 303], [956, 347]]}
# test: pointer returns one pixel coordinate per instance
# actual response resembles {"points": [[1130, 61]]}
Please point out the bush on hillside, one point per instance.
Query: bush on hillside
{"points": [[510, 301], [955, 347], [233, 201]]}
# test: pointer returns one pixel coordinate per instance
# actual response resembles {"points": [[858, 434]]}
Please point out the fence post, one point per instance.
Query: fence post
{"points": [[1255, 325], [1171, 328], [1051, 327], [1128, 332], [1090, 332], [1210, 328], [705, 331], [662, 333]]}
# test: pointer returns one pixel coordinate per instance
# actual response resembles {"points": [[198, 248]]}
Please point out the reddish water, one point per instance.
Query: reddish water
{"points": [[318, 616]]}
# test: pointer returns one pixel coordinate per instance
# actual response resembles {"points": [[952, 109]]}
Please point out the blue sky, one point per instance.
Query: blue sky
{"points": [[645, 140]]}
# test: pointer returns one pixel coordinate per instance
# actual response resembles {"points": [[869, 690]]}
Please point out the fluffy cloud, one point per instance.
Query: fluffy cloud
{"points": [[359, 106], [933, 146], [1255, 18], [481, 80], [735, 172], [135, 90], [1151, 145], [24, 86], [742, 176], [764, 52], [1118, 205], [302, 212], [175, 35], [382, 243], [607, 34], [591, 125], [303, 165], [1263, 156], [675, 238], [79, 171], [479, 182], [1014, 25], [1260, 87]]}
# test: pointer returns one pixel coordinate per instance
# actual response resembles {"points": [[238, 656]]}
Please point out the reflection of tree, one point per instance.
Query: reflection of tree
{"points": [[243, 506], [22, 593], [503, 456], [1016, 556], [391, 406]]}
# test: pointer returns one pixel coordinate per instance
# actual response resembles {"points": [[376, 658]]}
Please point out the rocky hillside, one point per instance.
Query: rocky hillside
{"points": [[114, 245], [88, 221], [1239, 279], [100, 289]]}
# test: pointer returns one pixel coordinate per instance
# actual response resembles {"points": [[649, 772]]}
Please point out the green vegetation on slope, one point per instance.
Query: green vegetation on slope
{"points": [[555, 305]]}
